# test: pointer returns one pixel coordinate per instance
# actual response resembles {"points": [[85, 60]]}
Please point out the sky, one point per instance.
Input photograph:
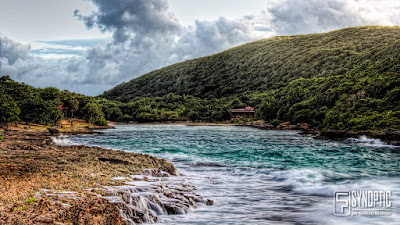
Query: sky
{"points": [[89, 46]]}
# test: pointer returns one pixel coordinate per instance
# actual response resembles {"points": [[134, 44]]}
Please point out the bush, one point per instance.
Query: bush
{"points": [[100, 121]]}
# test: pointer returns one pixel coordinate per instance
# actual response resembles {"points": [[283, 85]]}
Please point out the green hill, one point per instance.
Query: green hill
{"points": [[346, 79], [266, 65]]}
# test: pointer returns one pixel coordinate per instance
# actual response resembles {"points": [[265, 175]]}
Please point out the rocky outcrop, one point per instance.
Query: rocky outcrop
{"points": [[89, 209], [100, 184], [260, 124], [145, 198]]}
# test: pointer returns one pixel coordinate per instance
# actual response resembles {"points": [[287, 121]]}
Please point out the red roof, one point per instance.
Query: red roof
{"points": [[245, 109], [62, 107]]}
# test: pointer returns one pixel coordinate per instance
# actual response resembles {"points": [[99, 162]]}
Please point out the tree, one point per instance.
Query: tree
{"points": [[72, 104], [113, 113], [37, 110], [9, 110], [92, 112], [50, 94]]}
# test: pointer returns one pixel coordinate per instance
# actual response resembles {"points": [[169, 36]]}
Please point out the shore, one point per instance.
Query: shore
{"points": [[45, 183], [391, 137], [180, 123]]}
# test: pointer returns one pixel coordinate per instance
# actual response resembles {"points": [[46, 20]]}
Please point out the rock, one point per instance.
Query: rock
{"points": [[285, 126], [53, 131], [305, 126], [44, 219], [269, 126], [338, 135]]}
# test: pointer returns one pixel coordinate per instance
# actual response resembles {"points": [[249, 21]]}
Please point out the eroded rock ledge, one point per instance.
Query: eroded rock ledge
{"points": [[103, 186]]}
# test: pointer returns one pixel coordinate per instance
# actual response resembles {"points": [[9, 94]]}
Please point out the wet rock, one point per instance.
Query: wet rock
{"points": [[53, 131], [338, 135], [209, 202], [155, 173], [144, 201]]}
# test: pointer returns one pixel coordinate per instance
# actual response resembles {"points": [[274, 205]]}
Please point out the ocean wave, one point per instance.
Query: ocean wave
{"points": [[369, 142]]}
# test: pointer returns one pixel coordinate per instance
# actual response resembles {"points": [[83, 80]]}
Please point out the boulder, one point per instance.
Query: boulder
{"points": [[53, 131]]}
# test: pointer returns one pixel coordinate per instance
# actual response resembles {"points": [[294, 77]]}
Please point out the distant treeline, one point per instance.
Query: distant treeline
{"points": [[21, 102]]}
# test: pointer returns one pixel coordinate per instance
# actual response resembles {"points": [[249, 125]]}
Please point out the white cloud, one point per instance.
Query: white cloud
{"points": [[312, 16]]}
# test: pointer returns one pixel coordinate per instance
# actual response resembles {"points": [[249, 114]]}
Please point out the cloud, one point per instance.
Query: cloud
{"points": [[78, 42], [146, 35], [137, 18], [57, 51], [12, 51], [312, 16]]}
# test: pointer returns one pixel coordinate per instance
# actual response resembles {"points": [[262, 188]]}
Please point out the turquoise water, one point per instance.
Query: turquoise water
{"points": [[263, 177]]}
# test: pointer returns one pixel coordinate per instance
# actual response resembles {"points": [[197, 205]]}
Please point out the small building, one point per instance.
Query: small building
{"points": [[248, 112]]}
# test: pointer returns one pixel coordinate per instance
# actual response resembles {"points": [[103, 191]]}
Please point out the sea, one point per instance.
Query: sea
{"points": [[268, 176]]}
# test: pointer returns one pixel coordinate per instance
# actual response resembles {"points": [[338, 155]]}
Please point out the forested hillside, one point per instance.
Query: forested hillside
{"points": [[347, 79], [267, 64]]}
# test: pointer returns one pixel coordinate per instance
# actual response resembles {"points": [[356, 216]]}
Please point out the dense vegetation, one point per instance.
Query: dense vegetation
{"points": [[367, 97], [19, 101], [346, 79], [266, 65]]}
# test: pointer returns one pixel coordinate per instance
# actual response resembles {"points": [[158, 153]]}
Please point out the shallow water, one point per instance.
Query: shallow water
{"points": [[263, 177]]}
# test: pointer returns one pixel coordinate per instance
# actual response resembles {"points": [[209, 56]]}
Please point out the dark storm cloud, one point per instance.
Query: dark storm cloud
{"points": [[147, 36], [139, 18]]}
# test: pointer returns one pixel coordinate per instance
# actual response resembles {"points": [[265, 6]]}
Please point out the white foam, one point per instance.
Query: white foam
{"points": [[369, 142], [62, 140]]}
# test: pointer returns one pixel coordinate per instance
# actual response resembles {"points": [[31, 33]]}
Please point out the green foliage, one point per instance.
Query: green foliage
{"points": [[93, 113], [266, 65], [38, 110], [100, 121], [32, 200], [20, 208], [19, 101], [1, 137], [367, 97], [345, 79], [9, 109]]}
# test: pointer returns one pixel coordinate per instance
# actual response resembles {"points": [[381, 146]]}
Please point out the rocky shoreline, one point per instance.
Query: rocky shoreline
{"points": [[391, 137], [45, 183]]}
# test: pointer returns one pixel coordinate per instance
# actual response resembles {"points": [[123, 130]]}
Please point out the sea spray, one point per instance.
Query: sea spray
{"points": [[369, 142], [61, 139]]}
